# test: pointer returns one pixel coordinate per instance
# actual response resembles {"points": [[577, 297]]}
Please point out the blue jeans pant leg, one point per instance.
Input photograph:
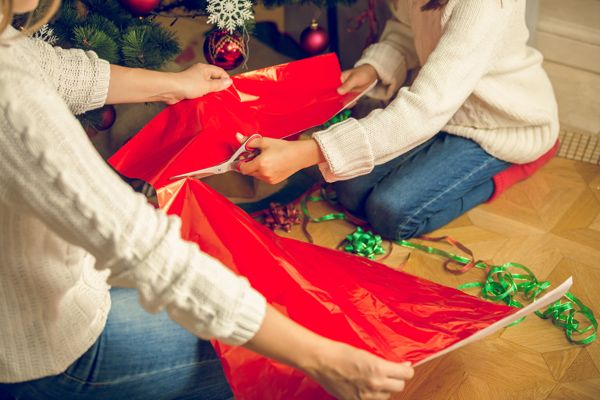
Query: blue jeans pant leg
{"points": [[353, 193], [429, 187], [137, 356]]}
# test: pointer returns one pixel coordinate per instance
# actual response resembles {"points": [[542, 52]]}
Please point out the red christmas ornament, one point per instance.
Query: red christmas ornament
{"points": [[90, 131], [109, 115], [140, 7], [225, 50], [314, 39]]}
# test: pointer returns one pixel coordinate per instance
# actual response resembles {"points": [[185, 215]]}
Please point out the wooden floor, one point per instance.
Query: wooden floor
{"points": [[550, 223]]}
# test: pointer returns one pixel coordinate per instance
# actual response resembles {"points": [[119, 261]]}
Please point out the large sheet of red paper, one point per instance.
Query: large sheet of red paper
{"points": [[277, 102], [341, 296]]}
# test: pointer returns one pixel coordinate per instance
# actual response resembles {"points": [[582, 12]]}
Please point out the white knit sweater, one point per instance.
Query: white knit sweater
{"points": [[479, 80], [69, 227]]}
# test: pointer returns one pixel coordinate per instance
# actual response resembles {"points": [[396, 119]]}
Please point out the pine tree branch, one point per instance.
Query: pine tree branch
{"points": [[168, 14]]}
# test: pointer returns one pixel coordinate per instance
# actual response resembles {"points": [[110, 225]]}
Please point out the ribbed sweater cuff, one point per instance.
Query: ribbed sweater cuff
{"points": [[346, 150], [385, 59], [251, 314], [100, 88]]}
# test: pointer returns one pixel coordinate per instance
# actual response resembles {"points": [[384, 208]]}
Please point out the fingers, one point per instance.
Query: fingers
{"points": [[397, 370], [214, 72], [215, 85], [350, 80], [255, 143], [393, 385], [248, 167], [345, 75], [379, 396]]}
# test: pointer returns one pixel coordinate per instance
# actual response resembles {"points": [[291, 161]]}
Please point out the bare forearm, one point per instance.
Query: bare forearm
{"points": [[344, 371], [136, 85], [284, 340]]}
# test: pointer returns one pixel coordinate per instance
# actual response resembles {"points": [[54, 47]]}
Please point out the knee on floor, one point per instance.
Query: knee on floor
{"points": [[394, 216], [351, 197]]}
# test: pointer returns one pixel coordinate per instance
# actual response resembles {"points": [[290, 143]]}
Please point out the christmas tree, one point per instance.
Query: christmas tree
{"points": [[125, 32]]}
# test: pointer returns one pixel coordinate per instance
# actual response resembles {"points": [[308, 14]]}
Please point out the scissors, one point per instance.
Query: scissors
{"points": [[229, 165]]}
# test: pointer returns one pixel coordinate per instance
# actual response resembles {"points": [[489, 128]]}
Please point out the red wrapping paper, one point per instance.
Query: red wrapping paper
{"points": [[277, 102], [341, 296]]}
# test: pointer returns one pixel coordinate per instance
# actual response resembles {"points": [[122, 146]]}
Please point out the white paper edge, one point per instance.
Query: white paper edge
{"points": [[545, 300], [367, 90]]}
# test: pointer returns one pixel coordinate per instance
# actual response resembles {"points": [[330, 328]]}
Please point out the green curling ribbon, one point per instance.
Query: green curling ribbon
{"points": [[324, 196], [365, 244], [505, 282], [342, 116]]}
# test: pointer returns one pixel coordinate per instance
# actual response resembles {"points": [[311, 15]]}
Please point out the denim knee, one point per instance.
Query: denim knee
{"points": [[351, 196], [394, 216]]}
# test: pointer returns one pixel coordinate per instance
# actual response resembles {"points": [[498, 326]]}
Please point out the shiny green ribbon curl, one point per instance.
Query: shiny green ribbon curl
{"points": [[364, 244], [324, 196], [502, 284], [340, 117]]}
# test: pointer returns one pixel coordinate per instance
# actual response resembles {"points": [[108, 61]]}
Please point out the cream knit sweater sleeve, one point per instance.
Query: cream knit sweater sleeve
{"points": [[73, 83], [463, 55], [392, 56], [49, 168]]}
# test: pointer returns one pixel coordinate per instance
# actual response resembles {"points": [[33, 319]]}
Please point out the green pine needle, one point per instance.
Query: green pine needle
{"points": [[148, 46], [102, 23], [88, 38], [65, 20], [111, 9]]}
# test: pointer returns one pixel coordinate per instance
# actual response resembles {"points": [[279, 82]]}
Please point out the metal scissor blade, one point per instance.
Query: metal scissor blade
{"points": [[203, 173], [195, 174], [226, 166]]}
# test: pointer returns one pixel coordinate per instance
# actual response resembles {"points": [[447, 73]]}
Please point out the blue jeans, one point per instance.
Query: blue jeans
{"points": [[423, 189], [137, 356]]}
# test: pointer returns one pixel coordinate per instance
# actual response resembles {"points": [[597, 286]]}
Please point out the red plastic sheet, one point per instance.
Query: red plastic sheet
{"points": [[277, 102], [338, 295]]}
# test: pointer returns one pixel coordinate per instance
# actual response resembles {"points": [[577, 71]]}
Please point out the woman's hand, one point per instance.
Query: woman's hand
{"points": [[278, 159], [357, 79], [350, 373], [344, 371], [198, 80], [136, 85]]}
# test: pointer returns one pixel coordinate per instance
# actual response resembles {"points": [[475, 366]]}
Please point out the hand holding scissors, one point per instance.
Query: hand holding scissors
{"points": [[242, 153]]}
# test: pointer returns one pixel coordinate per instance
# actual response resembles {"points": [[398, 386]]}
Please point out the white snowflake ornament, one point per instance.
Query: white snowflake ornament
{"points": [[229, 14], [46, 34]]}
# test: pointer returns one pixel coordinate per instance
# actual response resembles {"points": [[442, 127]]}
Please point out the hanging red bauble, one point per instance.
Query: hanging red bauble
{"points": [[224, 49], [314, 39], [140, 7], [90, 131], [108, 116]]}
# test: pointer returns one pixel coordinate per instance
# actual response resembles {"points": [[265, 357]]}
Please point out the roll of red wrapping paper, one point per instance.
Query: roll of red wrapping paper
{"points": [[277, 102], [344, 297]]}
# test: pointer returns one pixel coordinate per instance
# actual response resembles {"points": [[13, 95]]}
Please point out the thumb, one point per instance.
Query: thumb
{"points": [[215, 85], [256, 143], [349, 82], [215, 72]]}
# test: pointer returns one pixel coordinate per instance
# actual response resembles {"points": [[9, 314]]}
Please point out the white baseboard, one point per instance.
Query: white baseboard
{"points": [[569, 51], [568, 32]]}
